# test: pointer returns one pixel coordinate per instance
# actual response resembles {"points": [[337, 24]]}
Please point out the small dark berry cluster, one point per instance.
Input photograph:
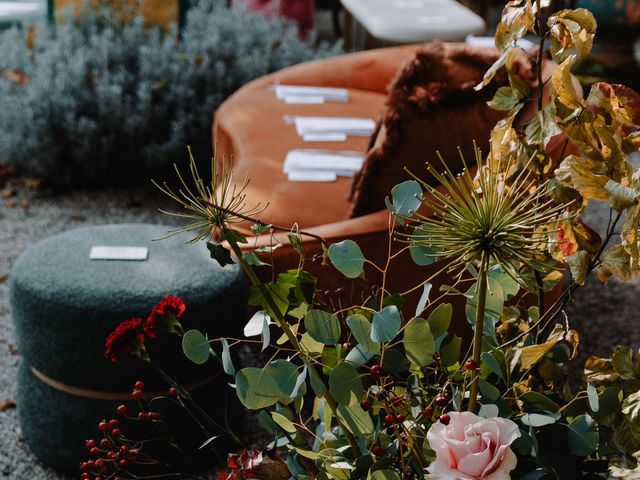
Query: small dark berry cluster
{"points": [[112, 455]]}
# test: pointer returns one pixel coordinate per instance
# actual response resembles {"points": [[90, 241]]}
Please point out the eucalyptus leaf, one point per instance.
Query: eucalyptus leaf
{"points": [[450, 350], [256, 388], [283, 422], [347, 257], [361, 329], [227, 363], [323, 326], [583, 436], [196, 347], [424, 299], [539, 419], [440, 319], [384, 475], [386, 324], [494, 302], [345, 384], [405, 198], [592, 395], [355, 419], [418, 342]]}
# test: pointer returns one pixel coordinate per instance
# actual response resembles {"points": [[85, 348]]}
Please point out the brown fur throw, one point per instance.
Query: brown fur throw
{"points": [[432, 106]]}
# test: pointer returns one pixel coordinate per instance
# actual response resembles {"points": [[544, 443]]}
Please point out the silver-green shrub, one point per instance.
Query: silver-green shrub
{"points": [[107, 100]]}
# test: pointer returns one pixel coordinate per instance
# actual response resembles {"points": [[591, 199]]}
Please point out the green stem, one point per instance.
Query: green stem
{"points": [[479, 327], [281, 322]]}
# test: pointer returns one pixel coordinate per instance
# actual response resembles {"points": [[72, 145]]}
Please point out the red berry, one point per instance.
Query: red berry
{"points": [[94, 451], [139, 385], [112, 455], [173, 392], [116, 432], [83, 466], [154, 416], [445, 419], [376, 370], [100, 463], [470, 365], [123, 463], [377, 450], [97, 478], [91, 465], [401, 418], [143, 416], [86, 476], [105, 443], [441, 400], [397, 400], [90, 443], [390, 418], [124, 449], [137, 394], [114, 423], [427, 413], [104, 426], [365, 404], [122, 409]]}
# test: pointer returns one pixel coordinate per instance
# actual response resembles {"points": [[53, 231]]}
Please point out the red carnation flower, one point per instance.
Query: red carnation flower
{"points": [[164, 317], [126, 339]]}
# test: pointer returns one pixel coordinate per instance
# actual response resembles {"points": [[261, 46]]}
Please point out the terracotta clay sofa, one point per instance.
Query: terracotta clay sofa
{"points": [[250, 130]]}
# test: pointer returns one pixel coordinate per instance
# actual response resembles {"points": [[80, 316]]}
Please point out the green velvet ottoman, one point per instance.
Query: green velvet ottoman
{"points": [[64, 305]]}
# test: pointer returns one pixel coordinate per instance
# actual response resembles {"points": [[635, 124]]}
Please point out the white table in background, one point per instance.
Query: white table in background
{"points": [[411, 21]]}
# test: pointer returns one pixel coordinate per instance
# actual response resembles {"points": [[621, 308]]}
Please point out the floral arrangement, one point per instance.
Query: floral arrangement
{"points": [[384, 390]]}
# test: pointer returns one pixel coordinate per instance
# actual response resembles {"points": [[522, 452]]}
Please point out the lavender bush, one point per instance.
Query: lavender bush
{"points": [[97, 99]]}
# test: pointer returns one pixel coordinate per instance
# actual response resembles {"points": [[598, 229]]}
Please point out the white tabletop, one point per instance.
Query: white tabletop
{"points": [[408, 21]]}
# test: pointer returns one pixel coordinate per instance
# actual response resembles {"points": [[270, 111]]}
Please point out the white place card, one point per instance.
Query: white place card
{"points": [[340, 163], [328, 94], [311, 176], [324, 137], [362, 127], [303, 100], [102, 252]]}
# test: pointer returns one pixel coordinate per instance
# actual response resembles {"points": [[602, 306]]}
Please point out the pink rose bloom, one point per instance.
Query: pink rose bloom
{"points": [[472, 448]]}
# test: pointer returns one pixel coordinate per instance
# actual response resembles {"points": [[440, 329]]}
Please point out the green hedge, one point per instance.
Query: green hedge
{"points": [[97, 100]]}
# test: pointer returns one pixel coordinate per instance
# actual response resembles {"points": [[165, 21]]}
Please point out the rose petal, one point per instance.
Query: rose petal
{"points": [[509, 462], [475, 464]]}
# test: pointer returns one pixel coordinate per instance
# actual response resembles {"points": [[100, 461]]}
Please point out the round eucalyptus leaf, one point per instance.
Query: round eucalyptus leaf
{"points": [[419, 345], [323, 327], [384, 475], [386, 324], [195, 346], [345, 384], [347, 257], [256, 388], [405, 198], [583, 436]]}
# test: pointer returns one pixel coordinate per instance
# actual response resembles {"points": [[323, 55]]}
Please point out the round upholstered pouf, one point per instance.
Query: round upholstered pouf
{"points": [[64, 305]]}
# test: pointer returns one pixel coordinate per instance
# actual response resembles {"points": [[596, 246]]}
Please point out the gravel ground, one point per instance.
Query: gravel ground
{"points": [[603, 314]]}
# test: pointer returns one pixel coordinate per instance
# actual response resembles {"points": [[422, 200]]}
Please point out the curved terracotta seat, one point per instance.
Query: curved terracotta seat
{"points": [[250, 130]]}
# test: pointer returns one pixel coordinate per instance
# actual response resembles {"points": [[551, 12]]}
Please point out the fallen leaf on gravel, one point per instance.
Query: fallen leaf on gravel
{"points": [[13, 350], [6, 405], [8, 192], [25, 204], [4, 278]]}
